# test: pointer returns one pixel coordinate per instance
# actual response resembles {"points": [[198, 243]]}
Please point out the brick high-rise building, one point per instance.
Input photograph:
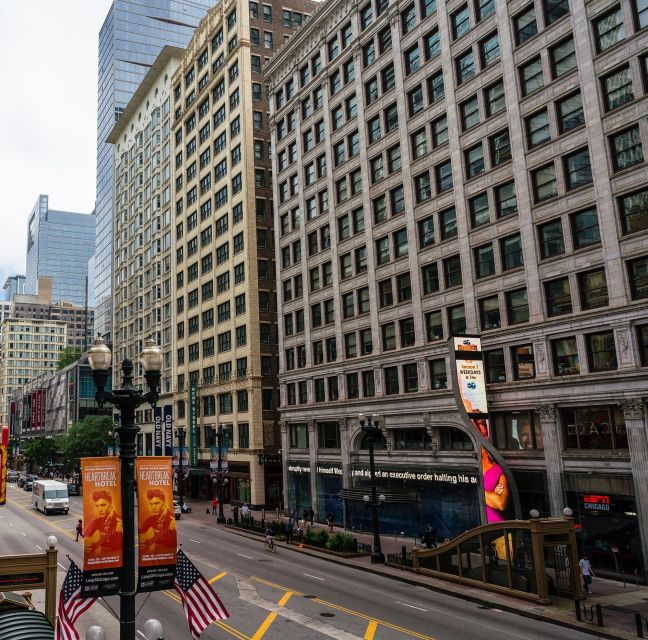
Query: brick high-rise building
{"points": [[443, 168], [226, 340]]}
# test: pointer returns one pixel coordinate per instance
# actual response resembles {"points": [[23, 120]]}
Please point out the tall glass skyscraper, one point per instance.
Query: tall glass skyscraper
{"points": [[130, 40], [59, 245]]}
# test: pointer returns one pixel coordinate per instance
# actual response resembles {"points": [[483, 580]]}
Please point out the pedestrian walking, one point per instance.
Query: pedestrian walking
{"points": [[290, 528], [586, 573], [311, 516], [245, 512], [79, 530], [329, 520], [214, 505]]}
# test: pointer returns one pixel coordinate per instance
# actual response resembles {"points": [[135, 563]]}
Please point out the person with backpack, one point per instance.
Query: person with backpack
{"points": [[79, 530]]}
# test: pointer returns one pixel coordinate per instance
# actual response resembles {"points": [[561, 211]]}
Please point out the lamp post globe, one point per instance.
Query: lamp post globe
{"points": [[95, 633], [99, 356], [152, 629]]}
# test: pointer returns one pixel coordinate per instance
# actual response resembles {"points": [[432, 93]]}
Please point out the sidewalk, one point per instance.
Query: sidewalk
{"points": [[618, 603]]}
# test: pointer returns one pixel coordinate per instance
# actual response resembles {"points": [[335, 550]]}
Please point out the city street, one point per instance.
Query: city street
{"points": [[282, 595]]}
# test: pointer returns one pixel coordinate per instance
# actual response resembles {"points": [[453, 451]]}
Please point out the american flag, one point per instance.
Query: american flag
{"points": [[71, 605], [201, 604]]}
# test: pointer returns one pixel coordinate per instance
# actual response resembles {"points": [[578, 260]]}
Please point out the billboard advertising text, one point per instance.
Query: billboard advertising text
{"points": [[103, 526], [155, 524]]}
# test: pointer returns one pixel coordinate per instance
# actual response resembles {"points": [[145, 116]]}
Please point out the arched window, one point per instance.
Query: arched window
{"points": [[379, 443]]}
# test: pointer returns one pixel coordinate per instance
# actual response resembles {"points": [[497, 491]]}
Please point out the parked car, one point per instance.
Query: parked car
{"points": [[177, 511], [28, 484], [74, 488], [12, 476]]}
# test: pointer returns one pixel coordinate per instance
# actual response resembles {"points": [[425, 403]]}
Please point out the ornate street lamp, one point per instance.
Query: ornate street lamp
{"points": [[127, 400], [370, 427]]}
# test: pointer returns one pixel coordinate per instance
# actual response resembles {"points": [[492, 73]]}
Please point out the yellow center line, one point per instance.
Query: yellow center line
{"points": [[285, 598], [218, 577], [358, 614], [42, 519], [371, 630], [265, 625]]}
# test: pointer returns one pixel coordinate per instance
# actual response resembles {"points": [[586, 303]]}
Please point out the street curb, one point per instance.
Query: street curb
{"points": [[567, 624]]}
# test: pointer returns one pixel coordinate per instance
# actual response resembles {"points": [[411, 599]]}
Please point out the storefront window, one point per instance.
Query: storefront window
{"points": [[299, 489], [412, 439], [243, 490], [516, 430], [454, 440], [605, 508], [328, 435], [328, 497], [533, 492], [595, 427], [298, 435]]}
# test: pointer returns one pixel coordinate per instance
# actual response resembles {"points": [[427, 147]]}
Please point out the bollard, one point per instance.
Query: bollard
{"points": [[599, 615], [639, 625], [577, 606]]}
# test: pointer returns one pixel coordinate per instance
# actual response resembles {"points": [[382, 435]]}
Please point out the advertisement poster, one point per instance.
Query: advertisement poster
{"points": [[43, 398], [103, 526], [185, 457], [213, 458], [157, 433], [471, 388], [156, 524], [4, 444], [167, 429], [193, 425]]}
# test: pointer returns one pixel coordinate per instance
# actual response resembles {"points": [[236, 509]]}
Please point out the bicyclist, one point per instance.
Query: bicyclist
{"points": [[269, 536]]}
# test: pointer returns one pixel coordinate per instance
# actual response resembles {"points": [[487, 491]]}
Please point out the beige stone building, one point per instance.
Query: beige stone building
{"points": [[466, 167], [225, 308], [143, 269], [28, 349]]}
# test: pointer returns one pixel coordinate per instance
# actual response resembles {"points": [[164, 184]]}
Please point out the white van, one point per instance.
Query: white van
{"points": [[50, 495]]}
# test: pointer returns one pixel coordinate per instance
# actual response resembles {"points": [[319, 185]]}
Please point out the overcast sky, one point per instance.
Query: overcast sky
{"points": [[48, 65]]}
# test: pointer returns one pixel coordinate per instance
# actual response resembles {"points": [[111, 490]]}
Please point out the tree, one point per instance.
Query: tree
{"points": [[40, 452], [88, 437], [68, 356]]}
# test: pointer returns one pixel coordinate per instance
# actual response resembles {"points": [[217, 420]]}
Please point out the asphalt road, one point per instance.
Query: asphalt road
{"points": [[281, 595]]}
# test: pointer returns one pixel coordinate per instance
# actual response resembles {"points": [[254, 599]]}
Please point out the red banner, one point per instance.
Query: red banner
{"points": [[33, 416], [103, 526], [42, 408], [156, 523]]}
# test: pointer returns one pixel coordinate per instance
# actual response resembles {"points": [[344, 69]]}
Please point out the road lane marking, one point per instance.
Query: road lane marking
{"points": [[11, 524], [265, 625], [39, 547], [141, 634], [316, 577], [218, 577], [411, 606], [244, 556], [24, 535], [285, 598], [196, 541], [60, 565], [48, 522], [358, 614], [371, 630]]}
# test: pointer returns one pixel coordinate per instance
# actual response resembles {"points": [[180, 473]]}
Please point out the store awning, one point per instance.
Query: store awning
{"points": [[19, 624]]}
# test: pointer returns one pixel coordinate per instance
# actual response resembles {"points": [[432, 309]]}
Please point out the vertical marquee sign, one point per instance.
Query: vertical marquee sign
{"points": [[104, 526], [156, 524], [158, 439], [500, 497], [4, 444], [193, 425], [167, 429]]}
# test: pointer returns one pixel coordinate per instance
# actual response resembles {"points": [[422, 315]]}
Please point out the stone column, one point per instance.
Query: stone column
{"points": [[553, 458], [285, 448], [633, 414], [312, 450]]}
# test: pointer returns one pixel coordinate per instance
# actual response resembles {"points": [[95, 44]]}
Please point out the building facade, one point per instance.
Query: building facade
{"points": [[225, 310], [13, 285], [466, 167], [28, 349], [59, 245], [130, 40], [49, 404], [143, 261]]}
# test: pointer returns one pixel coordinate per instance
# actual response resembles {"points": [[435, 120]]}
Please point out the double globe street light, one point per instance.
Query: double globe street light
{"points": [[127, 400]]}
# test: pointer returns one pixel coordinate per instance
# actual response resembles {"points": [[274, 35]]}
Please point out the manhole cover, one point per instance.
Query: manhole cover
{"points": [[327, 615], [309, 596]]}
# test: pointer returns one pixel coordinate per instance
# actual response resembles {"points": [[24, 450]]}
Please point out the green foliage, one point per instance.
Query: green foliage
{"points": [[87, 438], [68, 356], [40, 452], [317, 538], [342, 542]]}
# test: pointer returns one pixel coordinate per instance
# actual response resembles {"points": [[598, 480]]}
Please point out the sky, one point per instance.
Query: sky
{"points": [[48, 65]]}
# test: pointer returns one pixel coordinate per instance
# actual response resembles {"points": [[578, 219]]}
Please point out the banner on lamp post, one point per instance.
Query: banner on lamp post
{"points": [[156, 524], [193, 425], [167, 429], [104, 527], [157, 434]]}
